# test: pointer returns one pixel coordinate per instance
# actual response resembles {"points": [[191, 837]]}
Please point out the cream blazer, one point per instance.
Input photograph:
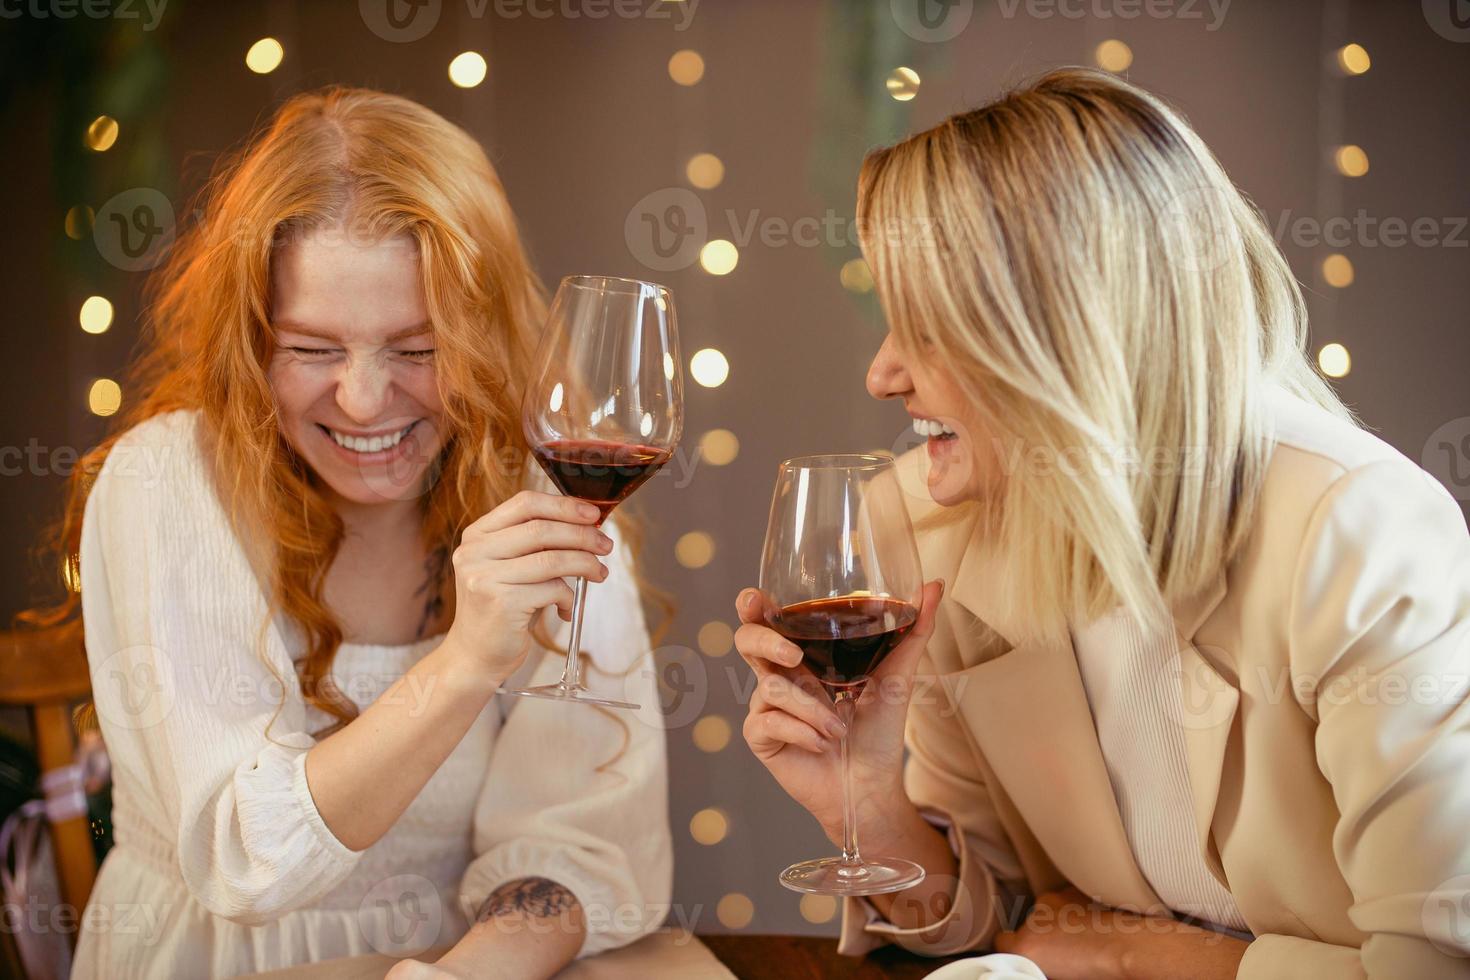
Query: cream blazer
{"points": [[1323, 678]]}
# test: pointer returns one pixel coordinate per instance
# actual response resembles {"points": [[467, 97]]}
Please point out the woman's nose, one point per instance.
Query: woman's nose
{"points": [[364, 390], [887, 375]]}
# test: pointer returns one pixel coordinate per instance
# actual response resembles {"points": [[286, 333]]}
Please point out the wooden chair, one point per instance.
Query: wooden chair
{"points": [[44, 671]]}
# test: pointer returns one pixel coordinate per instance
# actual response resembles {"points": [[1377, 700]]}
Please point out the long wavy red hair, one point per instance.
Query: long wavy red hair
{"points": [[380, 166]]}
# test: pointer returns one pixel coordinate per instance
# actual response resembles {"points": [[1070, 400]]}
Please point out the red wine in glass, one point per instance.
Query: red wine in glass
{"points": [[601, 473], [843, 639]]}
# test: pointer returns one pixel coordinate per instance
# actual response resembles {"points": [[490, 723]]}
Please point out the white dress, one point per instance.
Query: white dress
{"points": [[222, 864]]}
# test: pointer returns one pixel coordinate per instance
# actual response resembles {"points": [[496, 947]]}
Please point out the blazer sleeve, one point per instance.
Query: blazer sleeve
{"points": [[579, 795], [195, 691], [1379, 636], [943, 779]]}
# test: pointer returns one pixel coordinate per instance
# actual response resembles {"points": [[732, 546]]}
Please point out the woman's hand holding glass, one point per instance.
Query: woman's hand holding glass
{"points": [[793, 727], [511, 564]]}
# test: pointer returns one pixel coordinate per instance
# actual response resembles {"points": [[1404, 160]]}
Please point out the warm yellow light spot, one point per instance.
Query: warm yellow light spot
{"points": [[856, 276], [704, 170], [1353, 59], [78, 222], [903, 84], [695, 549], [265, 56], [101, 134], [1337, 269], [468, 69], [716, 638], [1113, 55], [71, 571], [711, 733], [96, 315], [719, 257], [104, 397], [1351, 160], [709, 826], [719, 447], [686, 67], [709, 367], [818, 908], [735, 911], [668, 363], [1334, 360]]}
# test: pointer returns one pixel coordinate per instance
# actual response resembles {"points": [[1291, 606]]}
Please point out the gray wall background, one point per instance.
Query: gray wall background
{"points": [[582, 120]]}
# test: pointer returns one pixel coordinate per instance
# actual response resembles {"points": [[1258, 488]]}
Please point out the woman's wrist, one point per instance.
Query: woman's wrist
{"points": [[459, 674]]}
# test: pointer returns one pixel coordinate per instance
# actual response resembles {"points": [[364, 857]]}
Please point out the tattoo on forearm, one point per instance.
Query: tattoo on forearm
{"points": [[539, 898], [435, 567]]}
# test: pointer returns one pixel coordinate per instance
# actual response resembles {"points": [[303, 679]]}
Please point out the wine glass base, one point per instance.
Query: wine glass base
{"points": [[567, 692], [830, 876]]}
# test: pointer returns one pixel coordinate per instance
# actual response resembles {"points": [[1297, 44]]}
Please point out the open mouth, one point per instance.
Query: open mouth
{"points": [[367, 445], [933, 429]]}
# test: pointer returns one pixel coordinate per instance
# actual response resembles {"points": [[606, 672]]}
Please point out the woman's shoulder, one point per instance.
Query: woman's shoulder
{"points": [[157, 466]]}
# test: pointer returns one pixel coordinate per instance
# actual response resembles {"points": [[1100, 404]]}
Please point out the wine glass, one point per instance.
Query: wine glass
{"points": [[602, 413], [840, 578]]}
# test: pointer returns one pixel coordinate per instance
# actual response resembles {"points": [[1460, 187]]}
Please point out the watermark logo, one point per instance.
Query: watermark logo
{"points": [[1450, 19], [1447, 456], [666, 229], [134, 229], [681, 682], [400, 21], [1445, 916], [149, 11], [932, 21], [1200, 230], [401, 915], [134, 688]]}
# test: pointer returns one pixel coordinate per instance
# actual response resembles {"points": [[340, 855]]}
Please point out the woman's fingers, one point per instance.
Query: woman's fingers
{"points": [[555, 593], [765, 649], [804, 702], [544, 565], [767, 732], [529, 505], [543, 534], [905, 657]]}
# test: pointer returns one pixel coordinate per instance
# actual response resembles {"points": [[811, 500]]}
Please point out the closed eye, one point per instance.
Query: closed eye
{"points": [[311, 351], [418, 355]]}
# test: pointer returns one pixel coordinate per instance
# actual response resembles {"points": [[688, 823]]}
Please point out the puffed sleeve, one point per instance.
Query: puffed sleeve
{"points": [[944, 781], [1379, 635], [188, 676], [579, 795]]}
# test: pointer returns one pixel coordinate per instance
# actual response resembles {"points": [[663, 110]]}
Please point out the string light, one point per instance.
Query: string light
{"points": [[903, 84], [716, 638], [78, 221], [695, 549], [686, 67], [735, 911], [705, 171], [468, 69], [265, 56], [855, 276], [1334, 360], [711, 733], [1351, 160], [1337, 270], [719, 257], [709, 826], [719, 447], [104, 397], [96, 314], [709, 367], [101, 134], [818, 908], [1113, 55], [1353, 59]]}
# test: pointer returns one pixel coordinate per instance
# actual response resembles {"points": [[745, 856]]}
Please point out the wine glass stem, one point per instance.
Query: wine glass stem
{"points": [[846, 702], [571, 673]]}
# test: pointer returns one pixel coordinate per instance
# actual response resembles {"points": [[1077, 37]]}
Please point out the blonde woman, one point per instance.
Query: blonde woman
{"points": [[308, 561], [1192, 703]]}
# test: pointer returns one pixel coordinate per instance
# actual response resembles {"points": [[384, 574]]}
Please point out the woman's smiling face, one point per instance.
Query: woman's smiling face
{"points": [[353, 369]]}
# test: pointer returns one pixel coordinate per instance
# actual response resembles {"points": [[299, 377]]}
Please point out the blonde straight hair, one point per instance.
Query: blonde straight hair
{"points": [[1078, 260]]}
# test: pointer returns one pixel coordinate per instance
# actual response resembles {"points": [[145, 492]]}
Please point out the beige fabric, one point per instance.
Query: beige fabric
{"points": [[1322, 679]]}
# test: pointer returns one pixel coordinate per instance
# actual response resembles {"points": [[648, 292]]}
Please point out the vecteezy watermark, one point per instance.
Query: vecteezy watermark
{"points": [[1446, 455], [403, 21], [1364, 230], [149, 11], [134, 228], [144, 920], [401, 915], [1450, 19], [932, 21], [666, 229], [1445, 916], [1210, 12]]}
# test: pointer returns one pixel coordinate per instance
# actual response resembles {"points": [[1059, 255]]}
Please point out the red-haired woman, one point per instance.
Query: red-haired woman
{"points": [[309, 559]]}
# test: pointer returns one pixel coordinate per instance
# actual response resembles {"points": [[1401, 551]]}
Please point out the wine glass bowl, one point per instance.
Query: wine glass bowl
{"points": [[602, 411], [840, 578]]}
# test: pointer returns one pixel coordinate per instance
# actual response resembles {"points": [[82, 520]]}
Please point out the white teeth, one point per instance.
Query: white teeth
{"points": [[929, 428], [362, 444]]}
